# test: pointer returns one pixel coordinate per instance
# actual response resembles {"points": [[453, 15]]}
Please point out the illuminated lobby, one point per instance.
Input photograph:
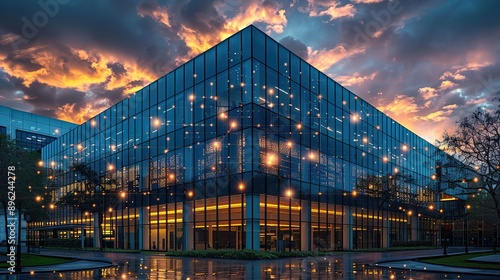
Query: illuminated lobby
{"points": [[246, 146]]}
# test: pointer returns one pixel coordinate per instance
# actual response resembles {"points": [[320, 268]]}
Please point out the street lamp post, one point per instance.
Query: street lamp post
{"points": [[466, 230]]}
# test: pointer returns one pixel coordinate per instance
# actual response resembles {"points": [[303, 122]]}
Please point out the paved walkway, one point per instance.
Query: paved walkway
{"points": [[80, 263], [413, 264]]}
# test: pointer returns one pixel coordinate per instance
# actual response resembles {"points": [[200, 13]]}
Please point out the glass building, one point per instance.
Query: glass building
{"points": [[246, 146], [31, 131]]}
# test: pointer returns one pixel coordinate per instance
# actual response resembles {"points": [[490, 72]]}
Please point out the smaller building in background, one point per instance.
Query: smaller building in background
{"points": [[31, 131]]}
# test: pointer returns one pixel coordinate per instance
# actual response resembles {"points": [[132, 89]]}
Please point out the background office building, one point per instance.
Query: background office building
{"points": [[31, 131], [247, 146]]}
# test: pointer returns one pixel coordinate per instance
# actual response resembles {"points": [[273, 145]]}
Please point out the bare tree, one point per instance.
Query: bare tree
{"points": [[476, 145], [94, 197]]}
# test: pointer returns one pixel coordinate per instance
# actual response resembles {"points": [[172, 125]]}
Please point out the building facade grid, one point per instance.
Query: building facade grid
{"points": [[248, 146]]}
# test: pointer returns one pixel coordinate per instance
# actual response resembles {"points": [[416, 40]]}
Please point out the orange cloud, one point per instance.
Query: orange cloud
{"points": [[334, 9], [401, 105], [354, 79], [366, 1], [257, 11], [324, 59], [66, 67], [446, 85], [456, 76], [437, 116], [427, 92], [68, 112]]}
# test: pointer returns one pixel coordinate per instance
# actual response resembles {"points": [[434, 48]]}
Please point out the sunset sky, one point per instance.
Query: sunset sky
{"points": [[425, 63]]}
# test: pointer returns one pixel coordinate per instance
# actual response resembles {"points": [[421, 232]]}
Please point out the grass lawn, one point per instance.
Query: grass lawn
{"points": [[462, 261], [36, 260]]}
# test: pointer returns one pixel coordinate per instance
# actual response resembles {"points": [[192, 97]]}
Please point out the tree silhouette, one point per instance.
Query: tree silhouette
{"points": [[27, 180], [476, 145], [97, 195]]}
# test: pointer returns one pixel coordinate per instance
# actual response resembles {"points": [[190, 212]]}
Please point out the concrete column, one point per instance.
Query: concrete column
{"points": [[82, 236], [187, 225], [96, 231], [386, 232], [252, 228], [305, 227], [332, 237], [347, 233], [414, 227], [143, 238], [210, 236]]}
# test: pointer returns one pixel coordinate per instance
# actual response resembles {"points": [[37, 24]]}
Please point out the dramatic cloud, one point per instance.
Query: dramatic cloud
{"points": [[296, 46], [323, 59], [420, 62], [333, 9], [355, 79]]}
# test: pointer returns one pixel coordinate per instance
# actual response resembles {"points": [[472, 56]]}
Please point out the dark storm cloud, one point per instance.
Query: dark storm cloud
{"points": [[448, 31], [202, 16], [295, 45], [112, 26]]}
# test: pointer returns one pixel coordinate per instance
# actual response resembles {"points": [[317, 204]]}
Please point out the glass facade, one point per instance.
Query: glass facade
{"points": [[31, 131], [247, 146]]}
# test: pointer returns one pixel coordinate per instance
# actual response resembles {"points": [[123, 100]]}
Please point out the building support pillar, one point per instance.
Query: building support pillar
{"points": [[252, 228], [386, 232], [305, 227], [414, 227], [347, 235], [187, 225]]}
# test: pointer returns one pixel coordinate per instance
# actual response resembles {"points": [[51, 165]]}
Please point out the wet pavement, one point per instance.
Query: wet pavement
{"points": [[339, 266]]}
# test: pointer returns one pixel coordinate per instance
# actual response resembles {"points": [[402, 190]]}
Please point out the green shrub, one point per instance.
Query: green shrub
{"points": [[416, 243], [240, 254], [70, 243]]}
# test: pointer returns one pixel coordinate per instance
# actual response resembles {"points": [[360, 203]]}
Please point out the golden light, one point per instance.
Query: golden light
{"points": [[93, 123], [431, 207], [38, 198], [216, 145], [271, 91], [40, 163], [405, 148], [123, 194], [191, 97], [157, 122], [354, 193], [467, 206], [223, 115], [385, 159], [110, 209], [355, 118], [52, 164], [86, 213], [271, 159], [476, 179], [299, 126], [233, 124], [289, 193], [171, 176], [79, 147], [52, 206], [241, 186], [365, 140], [190, 193], [289, 144], [396, 170], [311, 155], [110, 167], [440, 210], [433, 177], [410, 213]]}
